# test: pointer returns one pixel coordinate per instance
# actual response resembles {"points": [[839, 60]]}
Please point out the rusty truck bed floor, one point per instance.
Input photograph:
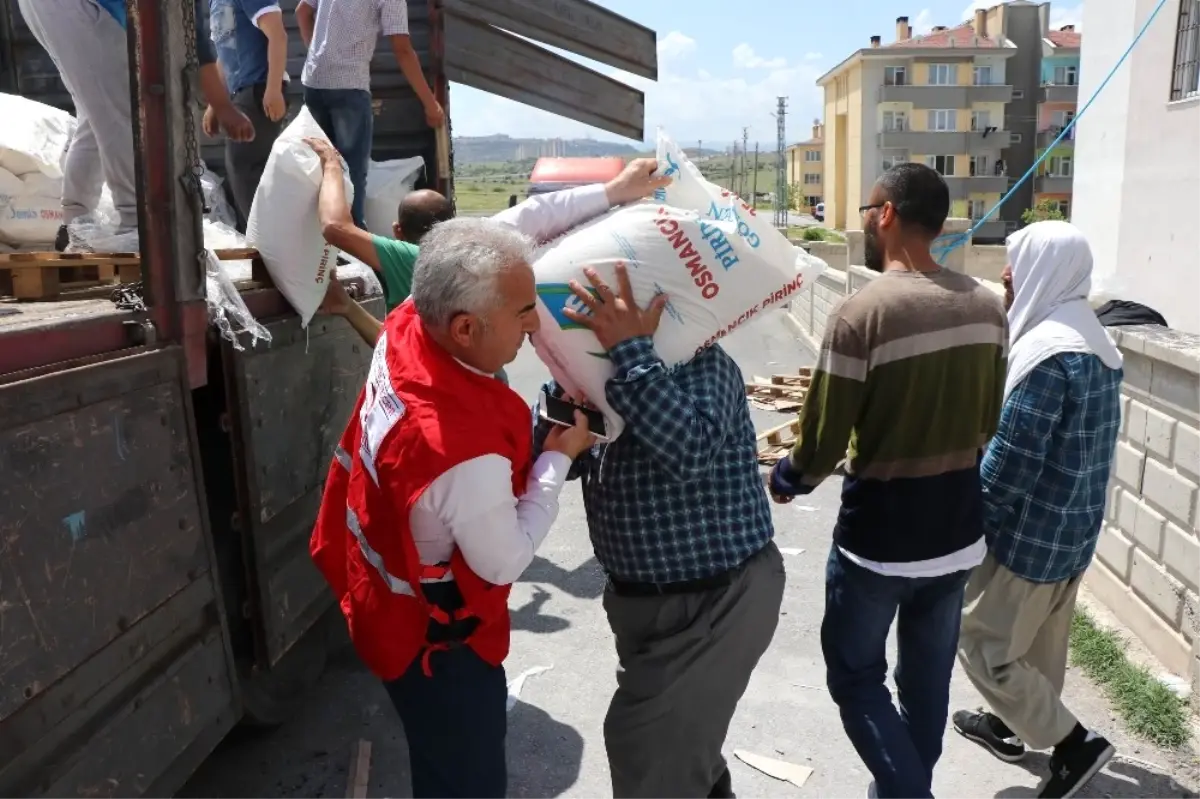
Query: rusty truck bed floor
{"points": [[23, 316]]}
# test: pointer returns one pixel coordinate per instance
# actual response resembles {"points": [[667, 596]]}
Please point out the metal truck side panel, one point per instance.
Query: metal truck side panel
{"points": [[577, 26], [114, 661], [487, 58], [289, 405]]}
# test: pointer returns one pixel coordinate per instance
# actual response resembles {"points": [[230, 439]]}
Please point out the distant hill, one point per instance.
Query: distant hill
{"points": [[501, 148]]}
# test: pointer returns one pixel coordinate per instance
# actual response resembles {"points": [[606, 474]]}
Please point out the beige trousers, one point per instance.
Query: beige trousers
{"points": [[1013, 647]]}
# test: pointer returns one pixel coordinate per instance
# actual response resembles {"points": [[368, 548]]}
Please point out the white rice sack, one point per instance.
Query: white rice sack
{"points": [[283, 218], [39, 185], [719, 264], [33, 137], [26, 220], [10, 185], [388, 182]]}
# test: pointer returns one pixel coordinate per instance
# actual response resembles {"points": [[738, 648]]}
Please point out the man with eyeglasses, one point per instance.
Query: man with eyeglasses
{"points": [[907, 390]]}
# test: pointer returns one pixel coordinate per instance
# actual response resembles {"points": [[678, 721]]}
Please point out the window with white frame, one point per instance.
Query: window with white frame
{"points": [[1066, 75], [979, 166], [890, 161], [983, 75], [895, 121], [943, 74], [981, 120], [1185, 74], [943, 119], [812, 155], [976, 209], [1059, 166], [1060, 119], [895, 76], [942, 164], [811, 178]]}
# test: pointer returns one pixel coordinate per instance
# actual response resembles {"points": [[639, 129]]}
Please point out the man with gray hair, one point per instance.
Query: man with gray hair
{"points": [[435, 504]]}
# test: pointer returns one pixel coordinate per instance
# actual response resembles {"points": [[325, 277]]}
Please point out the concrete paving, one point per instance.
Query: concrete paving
{"points": [[556, 746]]}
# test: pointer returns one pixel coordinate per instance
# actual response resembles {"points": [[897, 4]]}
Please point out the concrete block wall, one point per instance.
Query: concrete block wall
{"points": [[1147, 565]]}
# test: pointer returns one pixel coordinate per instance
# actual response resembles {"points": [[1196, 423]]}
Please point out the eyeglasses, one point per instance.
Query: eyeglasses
{"points": [[862, 209]]}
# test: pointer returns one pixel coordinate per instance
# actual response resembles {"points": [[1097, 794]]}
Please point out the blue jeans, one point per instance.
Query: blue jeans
{"points": [[347, 119], [899, 746]]}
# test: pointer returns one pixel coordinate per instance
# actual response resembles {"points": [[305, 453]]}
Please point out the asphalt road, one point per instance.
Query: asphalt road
{"points": [[556, 746]]}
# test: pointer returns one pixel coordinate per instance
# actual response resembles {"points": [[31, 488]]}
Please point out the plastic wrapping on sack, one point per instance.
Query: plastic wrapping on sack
{"points": [[282, 224], [388, 182], [219, 236], [33, 137], [355, 269], [215, 199], [227, 310], [720, 265]]}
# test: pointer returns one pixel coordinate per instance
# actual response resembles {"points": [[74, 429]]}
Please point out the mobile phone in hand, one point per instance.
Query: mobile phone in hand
{"points": [[561, 412]]}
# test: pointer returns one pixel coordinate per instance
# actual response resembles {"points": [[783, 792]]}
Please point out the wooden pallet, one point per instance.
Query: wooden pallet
{"points": [[44, 275], [777, 442], [779, 392]]}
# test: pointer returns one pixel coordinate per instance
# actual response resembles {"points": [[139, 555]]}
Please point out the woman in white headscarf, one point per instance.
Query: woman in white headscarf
{"points": [[1045, 476]]}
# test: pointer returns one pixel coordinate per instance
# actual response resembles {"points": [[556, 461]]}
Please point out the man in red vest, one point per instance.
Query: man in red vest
{"points": [[434, 504]]}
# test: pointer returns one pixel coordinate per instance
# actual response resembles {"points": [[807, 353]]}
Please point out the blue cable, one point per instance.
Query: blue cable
{"points": [[957, 240]]}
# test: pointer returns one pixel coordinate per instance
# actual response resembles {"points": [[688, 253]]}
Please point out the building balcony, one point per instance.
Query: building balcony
{"points": [[1052, 184], [993, 230], [925, 96], [1060, 93], [958, 142], [1046, 137], [962, 188]]}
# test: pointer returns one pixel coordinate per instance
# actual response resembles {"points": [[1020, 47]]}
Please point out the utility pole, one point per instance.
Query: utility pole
{"points": [[733, 169], [745, 152], [699, 149], [782, 198], [754, 188]]}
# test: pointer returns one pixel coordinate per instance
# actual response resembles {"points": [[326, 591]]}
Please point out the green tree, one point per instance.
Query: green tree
{"points": [[1044, 210], [795, 196]]}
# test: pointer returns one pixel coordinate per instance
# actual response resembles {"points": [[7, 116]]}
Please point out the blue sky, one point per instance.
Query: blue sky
{"points": [[721, 65]]}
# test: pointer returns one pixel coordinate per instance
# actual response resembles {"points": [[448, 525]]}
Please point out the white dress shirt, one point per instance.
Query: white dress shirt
{"points": [[472, 506]]}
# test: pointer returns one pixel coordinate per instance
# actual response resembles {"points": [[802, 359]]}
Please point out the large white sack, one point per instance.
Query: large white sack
{"points": [[40, 185], [388, 182], [27, 219], [720, 265], [10, 184], [283, 222], [33, 136]]}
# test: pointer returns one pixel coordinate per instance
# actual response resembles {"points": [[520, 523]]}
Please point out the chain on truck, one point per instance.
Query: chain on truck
{"points": [[159, 484]]}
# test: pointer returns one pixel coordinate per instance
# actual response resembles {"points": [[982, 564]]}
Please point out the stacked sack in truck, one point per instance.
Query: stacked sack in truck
{"points": [[33, 139]]}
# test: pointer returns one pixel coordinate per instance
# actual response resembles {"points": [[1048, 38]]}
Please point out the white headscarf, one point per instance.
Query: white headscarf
{"points": [[1052, 275]]}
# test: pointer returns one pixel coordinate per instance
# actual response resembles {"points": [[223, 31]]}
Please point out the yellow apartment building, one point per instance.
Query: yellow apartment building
{"points": [[806, 168], [943, 99]]}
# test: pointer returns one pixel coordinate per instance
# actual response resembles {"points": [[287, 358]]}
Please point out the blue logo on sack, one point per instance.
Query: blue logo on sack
{"points": [[557, 297]]}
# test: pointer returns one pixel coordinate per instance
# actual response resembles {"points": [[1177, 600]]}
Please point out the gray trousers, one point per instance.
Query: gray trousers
{"points": [[685, 661], [91, 52], [245, 161]]}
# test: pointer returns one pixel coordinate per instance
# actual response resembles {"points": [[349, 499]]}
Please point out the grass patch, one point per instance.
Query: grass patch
{"points": [[821, 234], [1150, 709]]}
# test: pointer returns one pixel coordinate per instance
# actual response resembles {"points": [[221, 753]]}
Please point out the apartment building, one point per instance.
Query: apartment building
{"points": [[806, 167], [965, 100], [1058, 103], [1138, 149]]}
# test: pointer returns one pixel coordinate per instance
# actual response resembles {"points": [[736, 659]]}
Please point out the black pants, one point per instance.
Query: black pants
{"points": [[455, 721], [245, 161]]}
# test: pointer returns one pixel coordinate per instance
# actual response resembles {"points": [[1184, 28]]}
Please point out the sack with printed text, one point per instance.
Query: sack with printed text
{"points": [[720, 264], [283, 218]]}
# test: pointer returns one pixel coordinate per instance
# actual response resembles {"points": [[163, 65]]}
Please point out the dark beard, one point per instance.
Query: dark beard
{"points": [[872, 252]]}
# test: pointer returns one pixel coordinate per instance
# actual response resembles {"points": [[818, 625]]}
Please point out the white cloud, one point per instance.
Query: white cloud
{"points": [[744, 57], [1065, 14], [923, 22], [675, 45]]}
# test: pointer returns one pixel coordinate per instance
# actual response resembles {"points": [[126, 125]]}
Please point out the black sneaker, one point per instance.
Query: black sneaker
{"points": [[61, 239], [989, 732], [1072, 766]]}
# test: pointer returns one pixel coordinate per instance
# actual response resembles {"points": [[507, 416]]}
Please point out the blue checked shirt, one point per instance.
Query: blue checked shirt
{"points": [[1045, 473], [678, 496]]}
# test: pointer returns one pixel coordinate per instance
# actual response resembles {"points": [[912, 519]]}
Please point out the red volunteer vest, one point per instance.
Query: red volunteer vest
{"points": [[420, 414]]}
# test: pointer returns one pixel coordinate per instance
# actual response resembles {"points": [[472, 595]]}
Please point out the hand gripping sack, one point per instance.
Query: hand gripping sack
{"points": [[283, 218], [720, 265]]}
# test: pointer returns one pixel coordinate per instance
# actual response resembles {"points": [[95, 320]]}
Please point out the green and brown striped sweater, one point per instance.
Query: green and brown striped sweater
{"points": [[908, 389]]}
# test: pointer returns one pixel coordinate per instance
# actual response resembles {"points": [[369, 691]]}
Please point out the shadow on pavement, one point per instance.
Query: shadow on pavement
{"points": [[1119, 778], [529, 617], [585, 581], [544, 755]]}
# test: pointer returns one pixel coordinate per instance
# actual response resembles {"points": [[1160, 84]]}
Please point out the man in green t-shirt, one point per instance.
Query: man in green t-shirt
{"points": [[419, 212]]}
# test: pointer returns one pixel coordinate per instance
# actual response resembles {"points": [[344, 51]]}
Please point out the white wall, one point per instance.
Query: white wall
{"points": [[1137, 174], [872, 81]]}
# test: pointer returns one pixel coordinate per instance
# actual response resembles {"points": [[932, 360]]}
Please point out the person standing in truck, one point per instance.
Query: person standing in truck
{"points": [[251, 45], [340, 36], [86, 39]]}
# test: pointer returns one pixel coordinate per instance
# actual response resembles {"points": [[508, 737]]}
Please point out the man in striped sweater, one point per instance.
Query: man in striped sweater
{"points": [[908, 390]]}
